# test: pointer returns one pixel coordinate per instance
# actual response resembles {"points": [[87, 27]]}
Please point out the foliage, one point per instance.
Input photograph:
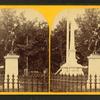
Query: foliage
{"points": [[87, 23], [31, 39], [58, 45]]}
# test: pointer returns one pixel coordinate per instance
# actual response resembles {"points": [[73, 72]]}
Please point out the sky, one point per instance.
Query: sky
{"points": [[69, 14], [30, 14]]}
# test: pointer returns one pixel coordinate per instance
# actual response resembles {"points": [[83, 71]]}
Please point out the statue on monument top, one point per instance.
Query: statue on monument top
{"points": [[12, 38], [94, 40]]}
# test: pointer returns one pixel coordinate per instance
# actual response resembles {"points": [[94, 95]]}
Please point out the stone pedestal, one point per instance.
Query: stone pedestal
{"points": [[11, 68], [94, 69], [71, 69]]}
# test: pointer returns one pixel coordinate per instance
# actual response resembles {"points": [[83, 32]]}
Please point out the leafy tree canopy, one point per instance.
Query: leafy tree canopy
{"points": [[87, 23], [31, 39], [58, 45]]}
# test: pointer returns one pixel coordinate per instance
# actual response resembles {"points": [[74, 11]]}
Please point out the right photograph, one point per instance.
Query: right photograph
{"points": [[75, 51]]}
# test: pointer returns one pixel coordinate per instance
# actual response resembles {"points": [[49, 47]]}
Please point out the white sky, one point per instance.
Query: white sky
{"points": [[31, 14], [69, 14]]}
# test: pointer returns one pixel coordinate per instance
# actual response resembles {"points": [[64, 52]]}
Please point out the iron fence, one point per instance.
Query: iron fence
{"points": [[33, 83], [75, 83], [58, 83]]}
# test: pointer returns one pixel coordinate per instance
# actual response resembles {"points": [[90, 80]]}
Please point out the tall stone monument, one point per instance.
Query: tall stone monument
{"points": [[71, 66]]}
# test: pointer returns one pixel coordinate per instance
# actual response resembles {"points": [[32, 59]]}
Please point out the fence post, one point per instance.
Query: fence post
{"points": [[44, 86], [69, 83], [42, 81], [65, 86], [25, 83], [51, 81], [95, 77], [47, 82], [62, 86], [66, 82], [73, 83], [31, 83], [13, 83], [37, 82], [3, 83], [81, 82], [55, 82], [8, 83], [65, 78], [18, 82], [59, 85], [85, 79], [90, 83], [77, 82]]}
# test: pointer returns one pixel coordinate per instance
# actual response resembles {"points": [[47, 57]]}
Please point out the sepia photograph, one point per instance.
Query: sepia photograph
{"points": [[24, 35], [75, 51], [50, 52]]}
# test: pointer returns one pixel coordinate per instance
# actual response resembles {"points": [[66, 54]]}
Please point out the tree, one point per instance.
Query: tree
{"points": [[87, 23], [58, 45], [31, 39], [7, 21]]}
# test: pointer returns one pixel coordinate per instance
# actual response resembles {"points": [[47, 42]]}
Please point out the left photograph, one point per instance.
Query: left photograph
{"points": [[24, 51]]}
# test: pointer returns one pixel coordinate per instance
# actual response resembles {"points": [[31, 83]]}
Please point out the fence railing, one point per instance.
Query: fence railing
{"points": [[33, 83], [75, 83], [58, 83]]}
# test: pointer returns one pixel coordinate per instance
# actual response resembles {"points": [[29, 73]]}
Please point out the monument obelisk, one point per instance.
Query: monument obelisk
{"points": [[71, 66]]}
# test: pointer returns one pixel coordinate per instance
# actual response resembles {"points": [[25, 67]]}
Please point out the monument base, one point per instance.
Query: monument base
{"points": [[94, 64], [94, 70], [74, 69], [11, 71]]}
